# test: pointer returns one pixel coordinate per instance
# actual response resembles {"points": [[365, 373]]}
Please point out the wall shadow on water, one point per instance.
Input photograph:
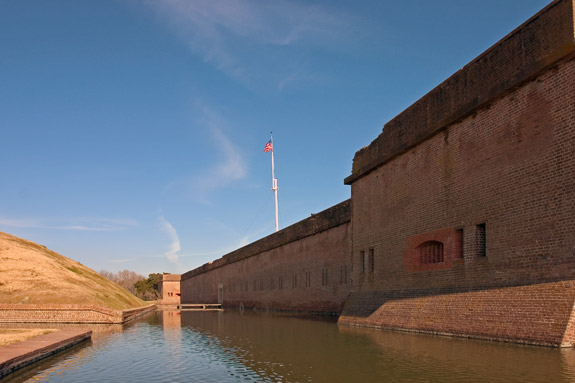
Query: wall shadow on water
{"points": [[279, 347]]}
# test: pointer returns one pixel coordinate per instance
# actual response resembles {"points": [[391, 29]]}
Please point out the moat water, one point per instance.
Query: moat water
{"points": [[232, 346]]}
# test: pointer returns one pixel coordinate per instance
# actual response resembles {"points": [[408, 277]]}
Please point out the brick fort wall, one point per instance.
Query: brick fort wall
{"points": [[463, 207], [461, 213], [304, 267]]}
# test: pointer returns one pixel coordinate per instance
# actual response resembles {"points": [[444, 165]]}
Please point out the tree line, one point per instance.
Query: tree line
{"points": [[142, 287]]}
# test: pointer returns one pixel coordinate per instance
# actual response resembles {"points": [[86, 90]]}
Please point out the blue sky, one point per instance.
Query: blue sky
{"points": [[132, 132]]}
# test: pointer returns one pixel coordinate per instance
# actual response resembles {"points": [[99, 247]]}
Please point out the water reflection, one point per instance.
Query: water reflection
{"points": [[302, 350], [257, 347]]}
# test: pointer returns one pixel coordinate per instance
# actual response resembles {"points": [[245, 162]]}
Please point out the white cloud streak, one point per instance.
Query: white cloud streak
{"points": [[70, 224], [230, 165], [174, 247], [247, 40], [233, 166]]}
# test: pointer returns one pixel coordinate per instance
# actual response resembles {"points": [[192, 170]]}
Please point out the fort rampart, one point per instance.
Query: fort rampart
{"points": [[303, 267], [169, 290], [463, 206], [461, 210]]}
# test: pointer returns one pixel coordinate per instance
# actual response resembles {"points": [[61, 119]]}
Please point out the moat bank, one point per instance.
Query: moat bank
{"points": [[254, 346]]}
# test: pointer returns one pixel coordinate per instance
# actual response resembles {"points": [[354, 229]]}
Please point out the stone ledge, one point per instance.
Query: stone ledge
{"points": [[18, 355], [33, 313]]}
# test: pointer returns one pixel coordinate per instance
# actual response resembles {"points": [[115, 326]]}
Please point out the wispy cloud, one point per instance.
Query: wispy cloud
{"points": [[71, 224], [230, 164], [251, 41], [174, 247]]}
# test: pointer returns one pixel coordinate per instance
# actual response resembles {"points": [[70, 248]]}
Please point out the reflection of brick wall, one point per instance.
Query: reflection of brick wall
{"points": [[21, 313]]}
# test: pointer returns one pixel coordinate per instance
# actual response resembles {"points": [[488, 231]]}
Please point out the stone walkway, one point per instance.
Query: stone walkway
{"points": [[18, 355]]}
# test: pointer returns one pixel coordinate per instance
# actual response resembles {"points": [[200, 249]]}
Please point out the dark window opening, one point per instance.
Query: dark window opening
{"points": [[371, 260], [362, 258], [430, 252], [458, 244], [324, 277], [481, 240], [343, 275]]}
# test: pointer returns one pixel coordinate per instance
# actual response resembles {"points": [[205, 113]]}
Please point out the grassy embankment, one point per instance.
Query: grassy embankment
{"points": [[32, 274]]}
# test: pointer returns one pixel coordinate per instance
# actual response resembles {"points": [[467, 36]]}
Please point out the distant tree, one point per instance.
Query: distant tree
{"points": [[147, 289], [125, 278]]}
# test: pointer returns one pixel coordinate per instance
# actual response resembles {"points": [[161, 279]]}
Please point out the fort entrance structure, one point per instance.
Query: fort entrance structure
{"points": [[461, 218], [169, 290]]}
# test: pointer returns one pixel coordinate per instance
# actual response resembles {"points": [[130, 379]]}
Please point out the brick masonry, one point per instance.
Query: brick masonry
{"points": [[29, 313], [169, 289], [500, 173], [304, 267], [461, 210]]}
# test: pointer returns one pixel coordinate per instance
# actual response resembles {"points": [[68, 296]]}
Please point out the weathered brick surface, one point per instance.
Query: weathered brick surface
{"points": [[322, 221], [502, 172], [533, 314], [531, 48], [510, 166], [169, 289], [304, 267], [22, 313]]}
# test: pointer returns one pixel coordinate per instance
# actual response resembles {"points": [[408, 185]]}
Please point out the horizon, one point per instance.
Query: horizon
{"points": [[134, 132]]}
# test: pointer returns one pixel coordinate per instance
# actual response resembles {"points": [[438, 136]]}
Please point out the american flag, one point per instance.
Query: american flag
{"points": [[269, 147]]}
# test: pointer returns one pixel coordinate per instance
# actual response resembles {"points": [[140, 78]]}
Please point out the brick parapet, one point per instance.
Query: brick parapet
{"points": [[539, 43], [67, 313], [171, 277], [335, 216]]}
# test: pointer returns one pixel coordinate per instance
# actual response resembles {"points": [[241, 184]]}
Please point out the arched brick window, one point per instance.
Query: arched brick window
{"points": [[430, 252]]}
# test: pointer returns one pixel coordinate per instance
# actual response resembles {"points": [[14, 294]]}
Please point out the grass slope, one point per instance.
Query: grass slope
{"points": [[30, 273]]}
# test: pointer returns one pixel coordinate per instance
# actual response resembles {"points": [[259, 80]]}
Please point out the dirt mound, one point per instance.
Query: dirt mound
{"points": [[30, 273]]}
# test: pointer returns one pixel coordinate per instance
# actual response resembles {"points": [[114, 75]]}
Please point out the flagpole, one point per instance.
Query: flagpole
{"points": [[274, 183]]}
